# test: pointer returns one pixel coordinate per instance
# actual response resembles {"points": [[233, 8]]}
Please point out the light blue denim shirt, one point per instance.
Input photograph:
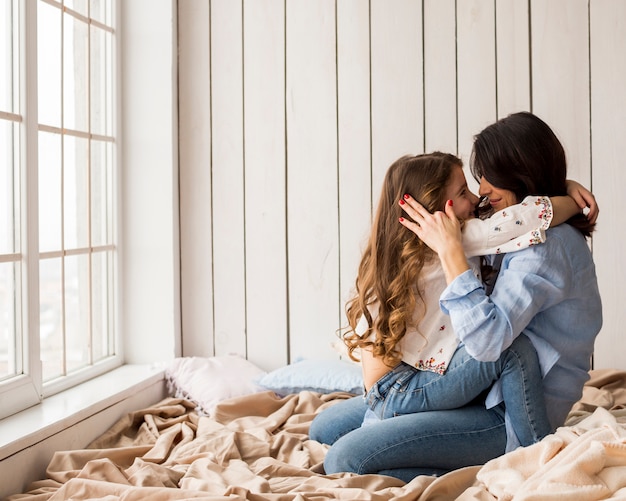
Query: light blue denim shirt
{"points": [[548, 292]]}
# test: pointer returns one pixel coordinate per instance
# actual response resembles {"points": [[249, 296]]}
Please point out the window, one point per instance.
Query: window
{"points": [[58, 182]]}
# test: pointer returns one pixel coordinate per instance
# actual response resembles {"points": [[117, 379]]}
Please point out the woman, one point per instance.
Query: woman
{"points": [[548, 292]]}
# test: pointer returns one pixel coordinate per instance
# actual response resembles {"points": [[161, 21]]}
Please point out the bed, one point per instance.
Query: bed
{"points": [[251, 443]]}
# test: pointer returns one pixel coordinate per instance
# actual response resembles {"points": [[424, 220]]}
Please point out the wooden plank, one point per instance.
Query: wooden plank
{"points": [[353, 108], [440, 91], [195, 178], [512, 57], [229, 297], [264, 199], [476, 65], [149, 229], [397, 84], [608, 128], [312, 177], [560, 77]]}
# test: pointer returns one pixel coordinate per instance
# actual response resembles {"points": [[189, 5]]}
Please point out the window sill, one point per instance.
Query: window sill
{"points": [[66, 409]]}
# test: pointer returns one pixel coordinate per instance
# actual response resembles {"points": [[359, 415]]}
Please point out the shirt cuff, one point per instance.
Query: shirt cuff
{"points": [[460, 287]]}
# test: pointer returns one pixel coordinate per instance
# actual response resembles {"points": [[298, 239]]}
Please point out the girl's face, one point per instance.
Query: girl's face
{"points": [[464, 201], [498, 198]]}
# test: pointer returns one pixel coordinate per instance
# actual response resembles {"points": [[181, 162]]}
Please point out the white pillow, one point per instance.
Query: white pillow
{"points": [[318, 375], [208, 381]]}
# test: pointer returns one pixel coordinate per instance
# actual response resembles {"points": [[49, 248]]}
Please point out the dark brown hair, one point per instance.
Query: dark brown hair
{"points": [[520, 153]]}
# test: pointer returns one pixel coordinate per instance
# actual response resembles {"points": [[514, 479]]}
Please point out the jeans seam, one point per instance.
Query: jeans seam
{"points": [[527, 409]]}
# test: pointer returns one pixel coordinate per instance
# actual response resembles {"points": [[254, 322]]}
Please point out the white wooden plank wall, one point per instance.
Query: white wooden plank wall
{"points": [[228, 176], [264, 194], [292, 110], [608, 127], [354, 137], [195, 180]]}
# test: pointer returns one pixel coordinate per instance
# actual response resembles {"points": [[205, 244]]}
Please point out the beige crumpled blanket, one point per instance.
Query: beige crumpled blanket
{"points": [[256, 447]]}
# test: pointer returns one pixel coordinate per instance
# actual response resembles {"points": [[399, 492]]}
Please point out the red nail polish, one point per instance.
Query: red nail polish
{"points": [[400, 219], [407, 196], [402, 202], [450, 203]]}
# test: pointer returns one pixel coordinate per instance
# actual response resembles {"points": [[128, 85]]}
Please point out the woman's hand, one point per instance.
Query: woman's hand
{"points": [[584, 199], [441, 231]]}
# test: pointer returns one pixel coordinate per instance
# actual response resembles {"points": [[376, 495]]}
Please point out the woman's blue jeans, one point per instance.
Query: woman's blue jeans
{"points": [[406, 390], [424, 443]]}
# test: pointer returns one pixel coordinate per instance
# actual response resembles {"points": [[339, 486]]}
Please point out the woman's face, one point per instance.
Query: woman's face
{"points": [[498, 198], [464, 201]]}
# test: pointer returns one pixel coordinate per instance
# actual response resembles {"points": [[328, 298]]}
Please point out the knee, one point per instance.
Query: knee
{"points": [[524, 346], [324, 430], [523, 353], [317, 431], [335, 462]]}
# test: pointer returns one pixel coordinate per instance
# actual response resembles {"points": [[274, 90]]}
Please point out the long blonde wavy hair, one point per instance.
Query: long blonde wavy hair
{"points": [[392, 263]]}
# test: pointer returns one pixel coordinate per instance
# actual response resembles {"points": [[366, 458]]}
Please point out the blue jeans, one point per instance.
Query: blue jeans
{"points": [[405, 390], [424, 443]]}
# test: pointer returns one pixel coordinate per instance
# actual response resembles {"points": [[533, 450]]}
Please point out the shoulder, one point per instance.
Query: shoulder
{"points": [[564, 237], [566, 240], [564, 247], [565, 232]]}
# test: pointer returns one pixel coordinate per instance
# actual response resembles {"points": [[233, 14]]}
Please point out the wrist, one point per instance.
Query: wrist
{"points": [[454, 262]]}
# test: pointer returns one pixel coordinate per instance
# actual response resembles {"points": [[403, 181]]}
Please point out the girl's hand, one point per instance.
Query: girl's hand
{"points": [[584, 199]]}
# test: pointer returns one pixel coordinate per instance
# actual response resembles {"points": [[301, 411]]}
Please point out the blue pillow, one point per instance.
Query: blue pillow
{"points": [[317, 375]]}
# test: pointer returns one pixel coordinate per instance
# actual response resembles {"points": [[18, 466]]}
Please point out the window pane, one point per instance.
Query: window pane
{"points": [[75, 192], [6, 66], [101, 193], [77, 311], [8, 56], [49, 64], [79, 6], [51, 318], [50, 179], [100, 10], [9, 317], [102, 305], [101, 82], [9, 146], [75, 74]]}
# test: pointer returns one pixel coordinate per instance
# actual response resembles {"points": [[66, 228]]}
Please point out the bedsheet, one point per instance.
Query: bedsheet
{"points": [[256, 447]]}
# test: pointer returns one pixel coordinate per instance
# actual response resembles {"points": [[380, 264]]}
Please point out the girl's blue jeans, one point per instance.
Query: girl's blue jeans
{"points": [[420, 443], [406, 390]]}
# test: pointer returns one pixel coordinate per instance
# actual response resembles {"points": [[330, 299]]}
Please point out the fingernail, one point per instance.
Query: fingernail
{"points": [[450, 203], [400, 219], [407, 196], [402, 202]]}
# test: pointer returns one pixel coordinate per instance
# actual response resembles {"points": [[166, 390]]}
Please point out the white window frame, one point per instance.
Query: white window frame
{"points": [[27, 388]]}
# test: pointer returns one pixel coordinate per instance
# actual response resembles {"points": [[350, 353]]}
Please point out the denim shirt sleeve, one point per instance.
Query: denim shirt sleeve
{"points": [[529, 281]]}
